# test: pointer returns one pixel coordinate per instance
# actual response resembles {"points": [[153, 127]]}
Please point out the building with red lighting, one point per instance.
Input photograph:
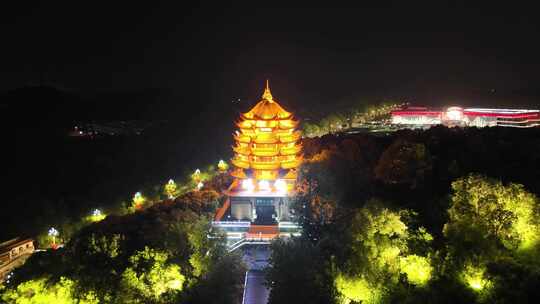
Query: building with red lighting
{"points": [[422, 117]]}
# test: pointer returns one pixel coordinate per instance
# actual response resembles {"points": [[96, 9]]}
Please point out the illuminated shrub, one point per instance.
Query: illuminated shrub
{"points": [[417, 269], [150, 276], [357, 290], [475, 278], [40, 291]]}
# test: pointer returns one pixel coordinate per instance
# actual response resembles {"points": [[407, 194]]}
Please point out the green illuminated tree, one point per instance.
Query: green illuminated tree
{"points": [[379, 238], [150, 278], [205, 251], [311, 130], [42, 291], [380, 255], [484, 213]]}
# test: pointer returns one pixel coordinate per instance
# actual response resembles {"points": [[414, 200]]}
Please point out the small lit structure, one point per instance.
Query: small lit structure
{"points": [[53, 233], [13, 253], [96, 216], [222, 166], [196, 176], [138, 200], [171, 188]]}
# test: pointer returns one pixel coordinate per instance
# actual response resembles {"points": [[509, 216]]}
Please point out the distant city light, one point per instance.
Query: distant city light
{"points": [[96, 212], [466, 117], [454, 113]]}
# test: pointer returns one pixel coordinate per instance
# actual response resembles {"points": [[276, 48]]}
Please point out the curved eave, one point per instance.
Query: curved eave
{"points": [[238, 173], [291, 164], [242, 139], [240, 163], [266, 117], [290, 151], [291, 138], [242, 150], [242, 125], [291, 175]]}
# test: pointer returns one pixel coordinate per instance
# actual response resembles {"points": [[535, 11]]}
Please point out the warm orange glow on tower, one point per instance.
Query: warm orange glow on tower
{"points": [[267, 147]]}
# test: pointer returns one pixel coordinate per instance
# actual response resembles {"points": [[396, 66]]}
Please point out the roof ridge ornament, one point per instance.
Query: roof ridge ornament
{"points": [[267, 95]]}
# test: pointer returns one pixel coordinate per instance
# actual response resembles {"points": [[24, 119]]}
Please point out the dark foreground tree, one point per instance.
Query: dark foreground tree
{"points": [[299, 273]]}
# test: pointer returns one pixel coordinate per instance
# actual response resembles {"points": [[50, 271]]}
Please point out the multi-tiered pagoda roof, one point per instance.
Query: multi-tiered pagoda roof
{"points": [[267, 144]]}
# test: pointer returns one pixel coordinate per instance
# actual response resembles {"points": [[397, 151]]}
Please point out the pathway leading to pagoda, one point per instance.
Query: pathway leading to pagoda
{"points": [[256, 257]]}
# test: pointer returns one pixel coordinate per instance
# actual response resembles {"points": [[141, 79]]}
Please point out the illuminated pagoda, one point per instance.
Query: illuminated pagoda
{"points": [[267, 154]]}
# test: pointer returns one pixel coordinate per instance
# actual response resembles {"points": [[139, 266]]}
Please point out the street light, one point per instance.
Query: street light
{"points": [[53, 233]]}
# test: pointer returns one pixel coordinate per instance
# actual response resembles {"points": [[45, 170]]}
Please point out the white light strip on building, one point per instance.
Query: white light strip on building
{"points": [[500, 111]]}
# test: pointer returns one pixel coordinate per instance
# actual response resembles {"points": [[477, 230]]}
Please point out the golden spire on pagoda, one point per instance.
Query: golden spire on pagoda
{"points": [[267, 94]]}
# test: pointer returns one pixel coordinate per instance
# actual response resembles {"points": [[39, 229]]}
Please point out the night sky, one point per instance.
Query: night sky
{"points": [[210, 54], [180, 69]]}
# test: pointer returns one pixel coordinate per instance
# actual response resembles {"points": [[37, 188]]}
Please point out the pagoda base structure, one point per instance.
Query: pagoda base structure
{"points": [[255, 217], [260, 207]]}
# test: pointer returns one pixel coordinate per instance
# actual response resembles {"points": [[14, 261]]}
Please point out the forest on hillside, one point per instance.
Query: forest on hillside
{"points": [[445, 215]]}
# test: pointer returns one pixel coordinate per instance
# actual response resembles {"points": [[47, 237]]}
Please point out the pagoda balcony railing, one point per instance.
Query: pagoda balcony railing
{"points": [[291, 150], [242, 138], [240, 163], [265, 139], [266, 123], [284, 132], [290, 137], [265, 152], [248, 132], [259, 165]]}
